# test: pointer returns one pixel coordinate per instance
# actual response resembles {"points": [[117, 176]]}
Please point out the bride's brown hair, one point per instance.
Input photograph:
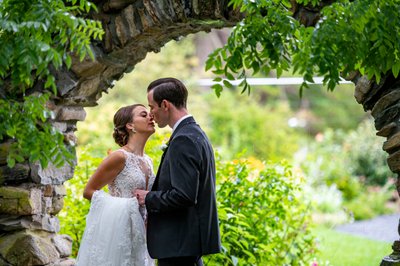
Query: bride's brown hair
{"points": [[122, 117]]}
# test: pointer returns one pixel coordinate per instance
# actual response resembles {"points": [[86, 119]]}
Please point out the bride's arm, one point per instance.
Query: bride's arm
{"points": [[105, 173]]}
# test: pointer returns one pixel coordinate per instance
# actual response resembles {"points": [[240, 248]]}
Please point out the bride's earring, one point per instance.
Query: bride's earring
{"points": [[133, 130]]}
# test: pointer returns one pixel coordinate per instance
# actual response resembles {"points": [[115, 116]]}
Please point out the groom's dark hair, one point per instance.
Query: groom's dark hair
{"points": [[169, 89]]}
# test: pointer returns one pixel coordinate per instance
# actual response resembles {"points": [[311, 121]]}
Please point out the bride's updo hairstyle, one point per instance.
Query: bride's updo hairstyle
{"points": [[122, 117]]}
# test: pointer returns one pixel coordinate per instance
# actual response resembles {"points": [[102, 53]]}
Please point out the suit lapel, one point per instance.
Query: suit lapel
{"points": [[185, 122]]}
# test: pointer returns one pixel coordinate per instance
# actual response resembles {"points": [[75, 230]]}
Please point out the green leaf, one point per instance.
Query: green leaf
{"points": [[68, 61], [49, 82], [10, 162], [227, 84], [396, 68], [217, 89]]}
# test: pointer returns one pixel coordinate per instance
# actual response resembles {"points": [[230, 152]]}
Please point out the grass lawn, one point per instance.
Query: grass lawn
{"points": [[342, 249]]}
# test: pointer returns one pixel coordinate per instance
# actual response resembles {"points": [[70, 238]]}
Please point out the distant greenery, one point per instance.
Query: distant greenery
{"points": [[242, 124], [339, 249], [348, 170], [366, 154], [320, 109]]}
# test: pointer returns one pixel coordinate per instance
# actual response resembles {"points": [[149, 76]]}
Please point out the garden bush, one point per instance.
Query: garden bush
{"points": [[366, 155], [72, 216], [264, 219], [372, 202], [325, 163]]}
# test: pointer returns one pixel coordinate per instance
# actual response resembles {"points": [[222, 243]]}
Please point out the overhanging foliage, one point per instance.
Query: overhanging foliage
{"points": [[349, 36], [36, 37]]}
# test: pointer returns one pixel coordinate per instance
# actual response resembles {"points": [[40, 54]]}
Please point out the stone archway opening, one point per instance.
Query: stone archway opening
{"points": [[30, 197]]}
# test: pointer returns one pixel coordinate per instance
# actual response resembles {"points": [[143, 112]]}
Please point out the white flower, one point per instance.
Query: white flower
{"points": [[164, 146]]}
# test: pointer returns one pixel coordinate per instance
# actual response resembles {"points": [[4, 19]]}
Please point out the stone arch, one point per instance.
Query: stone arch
{"points": [[30, 196]]}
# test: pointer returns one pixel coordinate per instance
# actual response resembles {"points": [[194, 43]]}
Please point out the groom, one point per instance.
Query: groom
{"points": [[182, 212]]}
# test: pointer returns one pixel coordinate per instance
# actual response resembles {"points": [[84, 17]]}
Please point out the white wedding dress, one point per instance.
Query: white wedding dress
{"points": [[115, 226]]}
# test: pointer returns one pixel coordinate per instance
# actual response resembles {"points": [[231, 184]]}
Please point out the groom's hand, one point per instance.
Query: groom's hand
{"points": [[140, 195]]}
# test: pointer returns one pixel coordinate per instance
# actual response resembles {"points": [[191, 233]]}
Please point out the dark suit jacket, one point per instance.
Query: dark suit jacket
{"points": [[182, 210]]}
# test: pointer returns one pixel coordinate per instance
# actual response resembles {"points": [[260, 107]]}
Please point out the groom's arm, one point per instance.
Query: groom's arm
{"points": [[184, 176]]}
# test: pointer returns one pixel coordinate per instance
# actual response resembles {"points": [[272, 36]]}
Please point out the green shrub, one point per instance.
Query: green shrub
{"points": [[241, 123], [263, 217], [72, 216], [325, 162], [366, 155], [371, 203]]}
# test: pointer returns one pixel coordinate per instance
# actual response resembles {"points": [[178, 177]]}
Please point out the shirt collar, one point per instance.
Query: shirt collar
{"points": [[179, 121]]}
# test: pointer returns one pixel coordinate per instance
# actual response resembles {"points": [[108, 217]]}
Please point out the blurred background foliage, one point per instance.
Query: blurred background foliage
{"points": [[262, 139]]}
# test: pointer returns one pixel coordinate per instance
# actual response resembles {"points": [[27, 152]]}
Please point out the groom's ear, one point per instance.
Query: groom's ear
{"points": [[165, 105]]}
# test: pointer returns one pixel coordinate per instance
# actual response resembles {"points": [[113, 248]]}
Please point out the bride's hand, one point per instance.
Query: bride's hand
{"points": [[140, 195]]}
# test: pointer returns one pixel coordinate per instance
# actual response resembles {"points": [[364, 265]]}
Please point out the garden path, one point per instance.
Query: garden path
{"points": [[381, 228]]}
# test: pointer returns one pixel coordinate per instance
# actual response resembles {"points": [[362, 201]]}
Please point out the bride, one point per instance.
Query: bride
{"points": [[115, 226]]}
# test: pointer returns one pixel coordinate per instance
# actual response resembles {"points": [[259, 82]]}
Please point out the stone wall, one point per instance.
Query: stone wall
{"points": [[383, 101], [30, 198]]}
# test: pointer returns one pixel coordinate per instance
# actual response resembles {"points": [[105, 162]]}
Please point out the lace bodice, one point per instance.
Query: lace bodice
{"points": [[133, 176], [115, 226]]}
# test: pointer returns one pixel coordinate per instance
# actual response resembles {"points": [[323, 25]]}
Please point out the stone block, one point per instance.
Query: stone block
{"points": [[387, 116], [28, 248], [362, 88], [57, 205], [87, 88], [20, 201], [50, 223], [43, 222], [392, 143], [8, 192], [47, 203], [129, 17], [48, 191], [384, 102], [63, 244], [71, 113], [18, 174], [87, 67], [65, 82], [32, 205], [59, 190], [12, 223], [8, 206], [64, 262], [70, 138], [60, 126], [51, 175], [394, 162], [386, 130]]}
